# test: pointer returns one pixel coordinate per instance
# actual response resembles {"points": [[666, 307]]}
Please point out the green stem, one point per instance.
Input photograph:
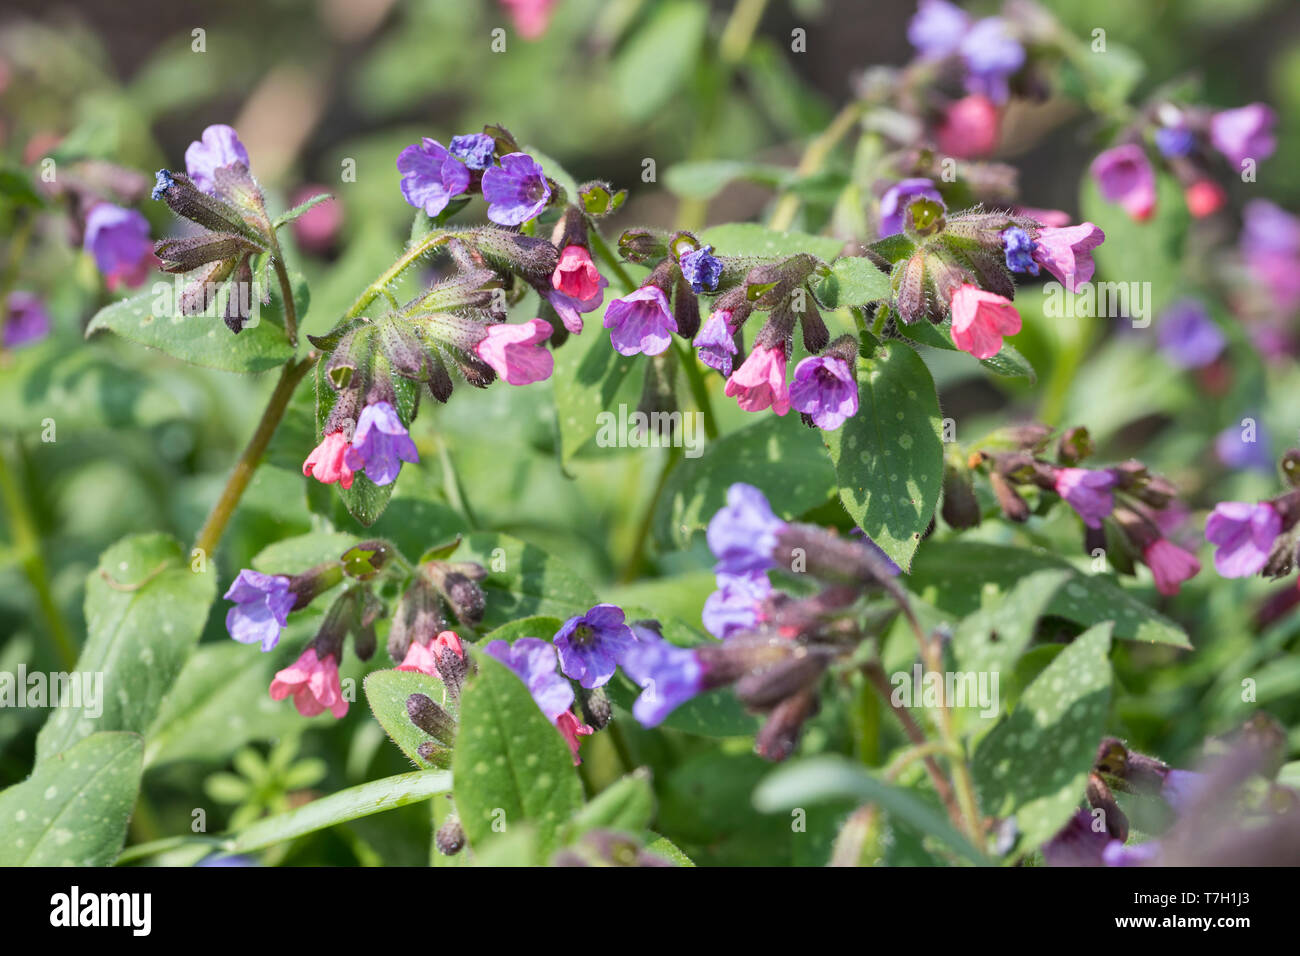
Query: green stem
{"points": [[814, 157], [390, 275], [291, 373], [1069, 358], [699, 388], [28, 547], [636, 558], [286, 292], [603, 250]]}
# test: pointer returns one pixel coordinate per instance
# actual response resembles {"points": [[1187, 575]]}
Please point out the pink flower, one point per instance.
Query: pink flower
{"points": [[424, 657], [1124, 175], [327, 462], [980, 319], [1087, 492], [531, 17], [1067, 253], [515, 353], [317, 228], [969, 128], [576, 275], [1044, 217], [1244, 133], [1170, 565], [570, 729], [760, 382], [314, 684], [1204, 198]]}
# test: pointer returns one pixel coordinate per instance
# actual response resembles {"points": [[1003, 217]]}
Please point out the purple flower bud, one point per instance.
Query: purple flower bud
{"points": [[591, 645], [716, 343], [1175, 141], [431, 176], [898, 197], [742, 535], [667, 675], [474, 150], [1018, 250], [119, 240], [991, 55], [218, 147], [1088, 492], [937, 29], [825, 390], [1187, 336], [26, 320], [1244, 535], [262, 606], [1244, 133], [735, 605], [640, 322], [702, 269], [533, 661], [380, 444], [516, 190]]}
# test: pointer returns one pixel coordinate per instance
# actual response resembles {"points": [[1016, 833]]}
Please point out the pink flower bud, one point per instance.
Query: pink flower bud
{"points": [[327, 462], [969, 128], [980, 319], [515, 353]]}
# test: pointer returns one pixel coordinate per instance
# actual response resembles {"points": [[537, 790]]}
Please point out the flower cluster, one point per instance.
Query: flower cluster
{"points": [[1260, 537]]}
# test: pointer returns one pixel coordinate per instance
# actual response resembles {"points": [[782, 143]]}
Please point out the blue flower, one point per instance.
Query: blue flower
{"points": [[262, 606], [431, 176], [937, 28], [218, 148], [734, 606], [640, 322], [591, 645], [1175, 141], [667, 675], [474, 150], [1187, 336], [991, 55], [716, 343], [533, 661], [162, 182], [1018, 249], [702, 269], [516, 190], [380, 444], [742, 535]]}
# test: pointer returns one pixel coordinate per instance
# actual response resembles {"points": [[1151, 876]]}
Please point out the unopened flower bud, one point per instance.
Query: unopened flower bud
{"points": [[1075, 445], [450, 838], [313, 582], [777, 738], [1009, 500], [961, 509], [431, 718], [766, 688], [643, 245], [596, 708]]}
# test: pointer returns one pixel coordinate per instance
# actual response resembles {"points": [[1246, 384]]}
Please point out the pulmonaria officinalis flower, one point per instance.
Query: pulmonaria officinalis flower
{"points": [[1067, 253], [1088, 492], [991, 55], [760, 383], [1187, 336], [119, 240], [898, 197], [530, 17], [533, 661], [262, 606], [969, 128], [25, 320], [1244, 133], [1244, 535], [1170, 565], [576, 275], [380, 444], [217, 148], [327, 462], [825, 390], [735, 605], [667, 675], [1018, 251], [314, 683], [640, 322], [980, 319], [431, 176], [425, 657], [937, 28], [716, 343], [1124, 176], [1174, 141], [515, 352], [742, 534], [592, 644], [702, 269], [516, 190], [474, 149]]}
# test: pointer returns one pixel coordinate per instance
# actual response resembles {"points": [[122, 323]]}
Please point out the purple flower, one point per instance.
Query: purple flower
{"points": [[1087, 492], [937, 29], [1244, 133], [570, 310], [825, 390], [218, 147], [1124, 175], [431, 176], [591, 645], [1244, 534], [742, 534], [119, 240], [640, 322], [716, 343], [1182, 788], [380, 444], [1240, 448], [27, 320], [735, 605], [1187, 336], [1268, 228], [516, 190], [474, 150], [262, 606], [991, 55], [1175, 141], [1018, 250], [1077, 843], [1139, 854], [898, 197], [533, 661], [667, 675], [702, 269]]}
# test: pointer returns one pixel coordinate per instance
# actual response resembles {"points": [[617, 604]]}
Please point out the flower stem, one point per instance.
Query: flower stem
{"points": [[636, 558], [286, 292], [389, 276], [813, 158], [699, 388], [291, 373], [603, 250]]}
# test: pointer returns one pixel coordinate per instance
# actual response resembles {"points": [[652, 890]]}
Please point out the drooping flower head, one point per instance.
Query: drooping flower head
{"points": [[1170, 565], [576, 275], [898, 197], [431, 176], [1067, 253], [262, 606], [702, 269], [640, 322], [327, 462], [1088, 492], [1187, 336], [26, 319], [516, 190], [425, 657], [591, 645], [736, 604], [716, 343], [571, 728], [1244, 133], [217, 148], [1124, 176], [119, 240], [314, 684], [760, 383], [825, 390], [667, 675], [380, 444], [1244, 535], [980, 319], [742, 534], [515, 352]]}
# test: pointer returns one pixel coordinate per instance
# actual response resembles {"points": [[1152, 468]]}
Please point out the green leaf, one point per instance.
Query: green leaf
{"points": [[853, 281], [952, 574], [350, 804], [295, 555], [149, 319], [751, 239], [73, 811], [627, 804], [523, 580], [590, 379], [387, 691], [1008, 363], [889, 456], [145, 610], [992, 638], [658, 57], [1035, 762], [511, 765], [831, 777], [300, 209], [662, 846], [704, 179], [778, 455]]}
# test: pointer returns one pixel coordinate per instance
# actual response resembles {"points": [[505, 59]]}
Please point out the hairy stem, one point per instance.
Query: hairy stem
{"points": [[390, 275], [286, 292]]}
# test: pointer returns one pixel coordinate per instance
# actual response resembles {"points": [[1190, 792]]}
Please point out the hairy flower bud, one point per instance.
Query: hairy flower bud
{"points": [[450, 838], [431, 718]]}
